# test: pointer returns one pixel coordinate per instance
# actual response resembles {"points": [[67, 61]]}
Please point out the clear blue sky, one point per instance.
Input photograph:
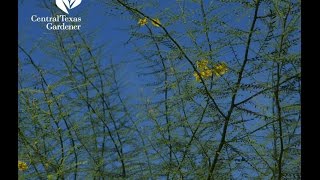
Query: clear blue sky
{"points": [[112, 30]]}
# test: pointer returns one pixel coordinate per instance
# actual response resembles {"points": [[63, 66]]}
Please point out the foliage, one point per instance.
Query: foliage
{"points": [[220, 100]]}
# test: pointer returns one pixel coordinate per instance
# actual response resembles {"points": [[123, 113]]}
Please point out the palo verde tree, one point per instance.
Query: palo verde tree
{"points": [[218, 94]]}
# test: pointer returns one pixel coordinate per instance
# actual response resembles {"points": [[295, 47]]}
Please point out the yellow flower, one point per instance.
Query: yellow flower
{"points": [[220, 69], [202, 64], [22, 166], [204, 70], [195, 74], [155, 21], [142, 21], [208, 73]]}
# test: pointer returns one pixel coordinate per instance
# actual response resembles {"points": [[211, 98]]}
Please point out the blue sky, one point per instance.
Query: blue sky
{"points": [[114, 31]]}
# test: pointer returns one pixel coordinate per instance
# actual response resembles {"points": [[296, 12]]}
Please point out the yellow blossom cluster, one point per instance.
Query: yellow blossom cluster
{"points": [[22, 166], [144, 21], [220, 69], [204, 70], [156, 22], [207, 72]]}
